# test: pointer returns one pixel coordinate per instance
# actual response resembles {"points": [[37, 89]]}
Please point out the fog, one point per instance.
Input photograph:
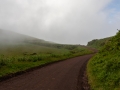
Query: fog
{"points": [[61, 21], [11, 38]]}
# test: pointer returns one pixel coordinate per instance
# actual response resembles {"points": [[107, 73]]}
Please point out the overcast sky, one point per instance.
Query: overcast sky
{"points": [[61, 21]]}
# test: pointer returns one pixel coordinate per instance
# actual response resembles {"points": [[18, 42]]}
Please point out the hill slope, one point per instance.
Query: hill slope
{"points": [[20, 52], [104, 68], [98, 43], [12, 38], [12, 44]]}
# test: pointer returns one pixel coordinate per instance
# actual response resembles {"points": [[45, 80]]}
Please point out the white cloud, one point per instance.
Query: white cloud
{"points": [[62, 21]]}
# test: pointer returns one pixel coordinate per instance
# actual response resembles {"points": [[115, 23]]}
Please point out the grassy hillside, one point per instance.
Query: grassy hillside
{"points": [[104, 68], [98, 43], [19, 52], [12, 38]]}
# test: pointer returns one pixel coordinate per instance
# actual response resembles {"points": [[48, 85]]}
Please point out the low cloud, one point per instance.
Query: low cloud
{"points": [[61, 21]]}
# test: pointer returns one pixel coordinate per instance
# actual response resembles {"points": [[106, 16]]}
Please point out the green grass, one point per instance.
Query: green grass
{"points": [[27, 49], [15, 58], [104, 68]]}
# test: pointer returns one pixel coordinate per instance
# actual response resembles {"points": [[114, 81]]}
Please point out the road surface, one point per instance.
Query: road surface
{"points": [[58, 76]]}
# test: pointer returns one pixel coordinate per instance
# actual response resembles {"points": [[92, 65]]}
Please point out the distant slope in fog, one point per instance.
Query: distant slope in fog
{"points": [[12, 44], [9, 37]]}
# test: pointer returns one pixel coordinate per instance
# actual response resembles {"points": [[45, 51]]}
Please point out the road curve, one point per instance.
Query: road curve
{"points": [[58, 76]]}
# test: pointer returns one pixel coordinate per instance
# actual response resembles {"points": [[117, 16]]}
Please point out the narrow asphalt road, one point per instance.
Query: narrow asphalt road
{"points": [[58, 76]]}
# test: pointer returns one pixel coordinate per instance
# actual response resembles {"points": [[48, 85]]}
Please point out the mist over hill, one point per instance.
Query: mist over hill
{"points": [[12, 38]]}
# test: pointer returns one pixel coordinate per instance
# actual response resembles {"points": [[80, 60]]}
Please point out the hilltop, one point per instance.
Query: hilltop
{"points": [[98, 43], [9, 37]]}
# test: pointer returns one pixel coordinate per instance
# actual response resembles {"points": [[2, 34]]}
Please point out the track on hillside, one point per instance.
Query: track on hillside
{"points": [[64, 75]]}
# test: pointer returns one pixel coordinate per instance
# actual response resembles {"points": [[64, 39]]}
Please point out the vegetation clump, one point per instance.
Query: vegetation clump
{"points": [[98, 43], [104, 68]]}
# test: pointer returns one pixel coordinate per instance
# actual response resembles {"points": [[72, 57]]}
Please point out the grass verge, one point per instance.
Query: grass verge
{"points": [[103, 69], [14, 64]]}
